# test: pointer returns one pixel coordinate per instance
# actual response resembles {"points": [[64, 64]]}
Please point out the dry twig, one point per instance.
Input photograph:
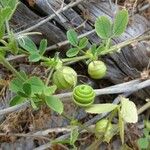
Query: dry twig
{"points": [[130, 86]]}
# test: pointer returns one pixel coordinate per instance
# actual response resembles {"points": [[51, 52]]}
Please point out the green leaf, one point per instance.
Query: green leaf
{"points": [[5, 14], [100, 49], [83, 43], [74, 135], [37, 85], [34, 57], [16, 100], [93, 49], [128, 111], [22, 94], [100, 108], [146, 132], [72, 37], [72, 52], [143, 143], [54, 103], [27, 89], [43, 45], [50, 90], [120, 22], [27, 44], [13, 45], [23, 74], [16, 85], [10, 3], [2, 52], [103, 27], [121, 127]]}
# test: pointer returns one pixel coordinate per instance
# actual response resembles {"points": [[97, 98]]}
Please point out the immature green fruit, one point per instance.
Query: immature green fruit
{"points": [[97, 69], [101, 126], [83, 95], [64, 78]]}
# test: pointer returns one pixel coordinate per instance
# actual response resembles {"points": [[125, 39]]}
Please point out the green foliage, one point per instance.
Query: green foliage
{"points": [[35, 54], [34, 57], [12, 44], [83, 43], [6, 12], [33, 88], [120, 22], [101, 108], [16, 85], [103, 27], [37, 91], [27, 44], [105, 129], [74, 136], [27, 89], [54, 103], [43, 46], [72, 37], [11, 4], [78, 44], [144, 141], [128, 111], [121, 127], [72, 52], [16, 100]]}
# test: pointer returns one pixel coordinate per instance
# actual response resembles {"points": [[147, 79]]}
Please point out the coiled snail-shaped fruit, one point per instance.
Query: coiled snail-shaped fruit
{"points": [[83, 95], [64, 78], [97, 69]]}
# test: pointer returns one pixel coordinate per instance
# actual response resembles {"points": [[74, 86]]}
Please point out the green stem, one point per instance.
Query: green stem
{"points": [[110, 50], [4, 42], [143, 108], [75, 59], [108, 43], [10, 67], [49, 76], [78, 123], [7, 27], [123, 44]]}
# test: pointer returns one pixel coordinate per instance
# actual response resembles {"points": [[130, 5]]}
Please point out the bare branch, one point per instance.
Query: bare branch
{"points": [[70, 5], [130, 86]]}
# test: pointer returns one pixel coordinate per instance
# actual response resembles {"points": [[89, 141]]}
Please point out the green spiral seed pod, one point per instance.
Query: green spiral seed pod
{"points": [[83, 95], [64, 78], [101, 125], [97, 69]]}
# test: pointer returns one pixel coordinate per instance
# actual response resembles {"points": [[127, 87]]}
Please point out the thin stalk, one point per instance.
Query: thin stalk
{"points": [[75, 59], [10, 67], [143, 108], [4, 42], [7, 27], [78, 123], [123, 44], [49, 76]]}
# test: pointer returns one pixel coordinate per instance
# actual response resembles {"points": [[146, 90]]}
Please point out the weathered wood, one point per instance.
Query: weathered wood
{"points": [[126, 64], [129, 62], [24, 17]]}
